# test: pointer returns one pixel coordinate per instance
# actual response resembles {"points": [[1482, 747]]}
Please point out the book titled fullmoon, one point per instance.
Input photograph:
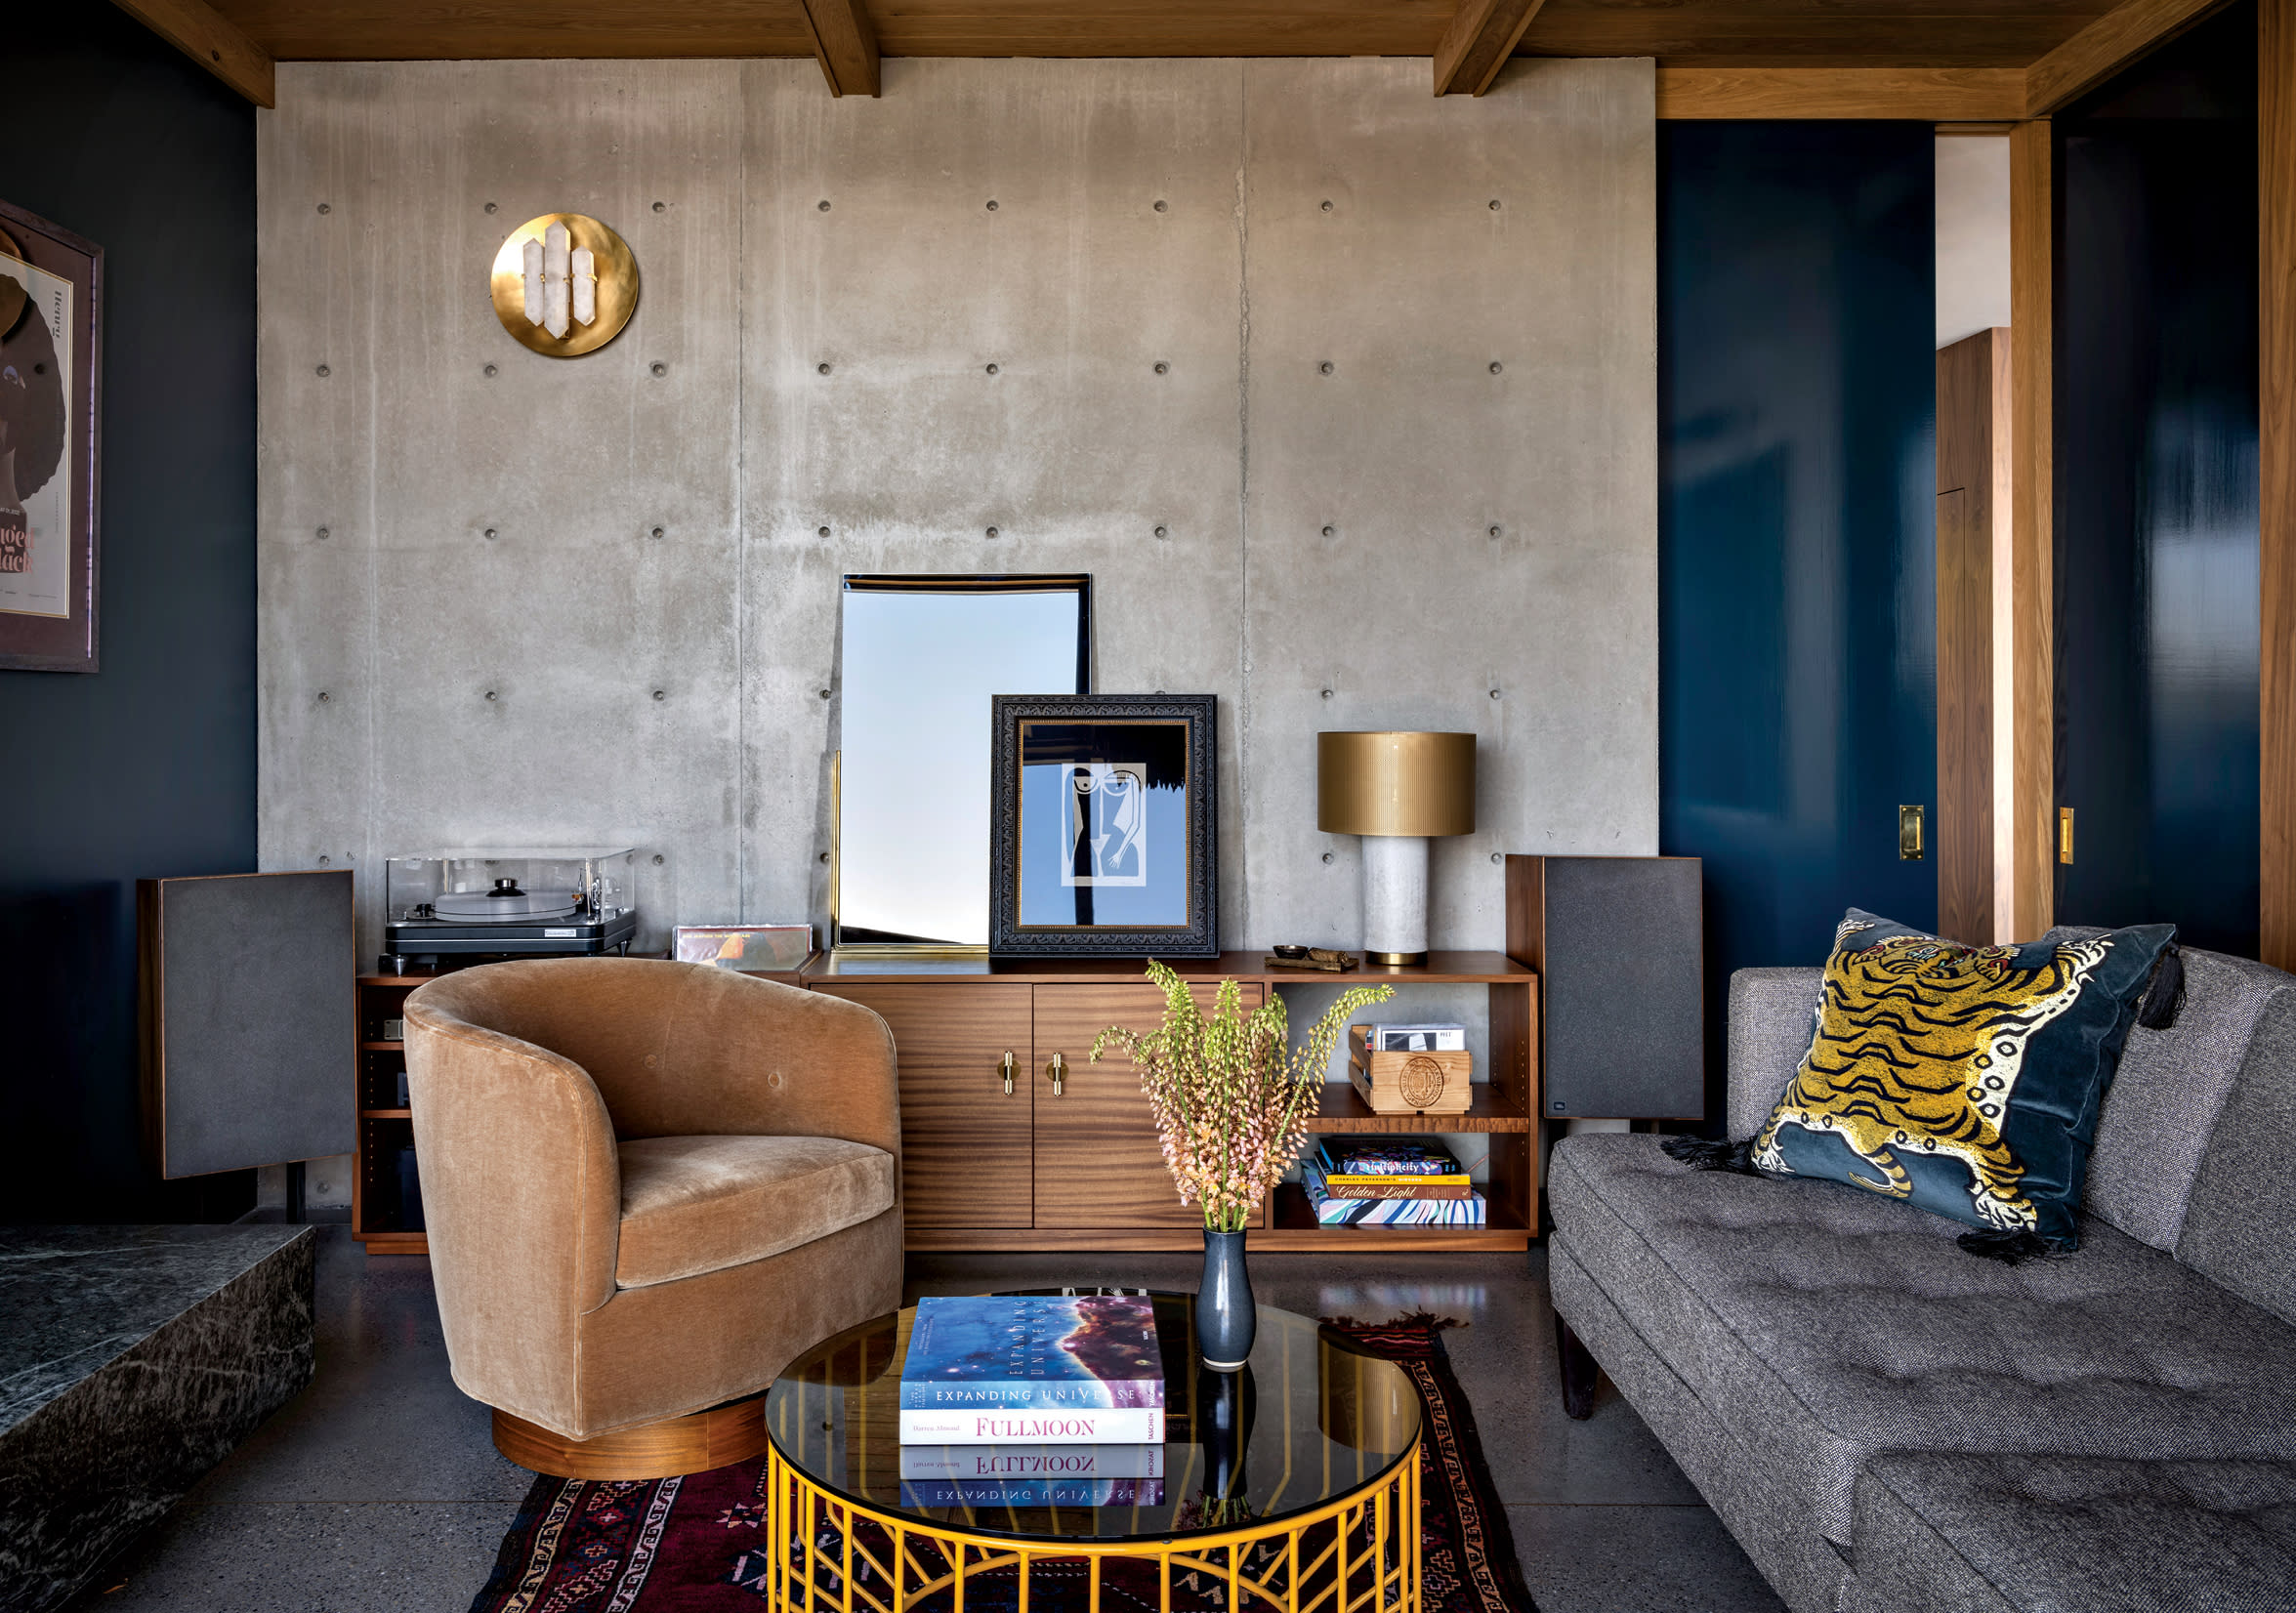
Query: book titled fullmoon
{"points": [[1078, 1369]]}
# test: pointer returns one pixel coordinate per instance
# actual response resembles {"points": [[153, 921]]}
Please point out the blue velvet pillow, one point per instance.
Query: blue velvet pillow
{"points": [[1965, 1080]]}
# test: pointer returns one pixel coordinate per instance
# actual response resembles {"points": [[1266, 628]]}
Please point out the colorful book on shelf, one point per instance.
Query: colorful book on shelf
{"points": [[1078, 1462], [1390, 1211], [976, 1493], [1388, 1161]]}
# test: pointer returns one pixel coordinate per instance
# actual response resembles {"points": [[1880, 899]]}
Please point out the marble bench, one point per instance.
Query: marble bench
{"points": [[132, 1359]]}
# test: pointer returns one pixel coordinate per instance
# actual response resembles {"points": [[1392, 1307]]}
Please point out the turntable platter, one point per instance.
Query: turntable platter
{"points": [[484, 907]]}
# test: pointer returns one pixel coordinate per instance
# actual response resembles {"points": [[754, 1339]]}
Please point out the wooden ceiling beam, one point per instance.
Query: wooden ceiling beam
{"points": [[213, 42], [845, 43], [2131, 29], [1482, 35], [1921, 95]]}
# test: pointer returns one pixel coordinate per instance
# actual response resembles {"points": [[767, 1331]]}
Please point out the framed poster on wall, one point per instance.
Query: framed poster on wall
{"points": [[51, 282], [1104, 813]]}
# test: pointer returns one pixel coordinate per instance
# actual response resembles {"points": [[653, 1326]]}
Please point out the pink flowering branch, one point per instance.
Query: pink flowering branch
{"points": [[1231, 1097]]}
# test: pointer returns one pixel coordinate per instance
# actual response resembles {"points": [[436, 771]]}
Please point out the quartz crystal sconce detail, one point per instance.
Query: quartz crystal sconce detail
{"points": [[565, 284]]}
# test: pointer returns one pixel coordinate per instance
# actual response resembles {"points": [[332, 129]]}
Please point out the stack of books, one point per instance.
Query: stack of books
{"points": [[1034, 1400], [1387, 1182]]}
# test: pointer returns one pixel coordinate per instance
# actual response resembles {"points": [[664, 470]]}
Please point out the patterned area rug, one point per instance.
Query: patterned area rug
{"points": [[694, 1545]]}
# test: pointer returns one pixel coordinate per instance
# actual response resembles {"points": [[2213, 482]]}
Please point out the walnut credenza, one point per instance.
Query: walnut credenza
{"points": [[1069, 1159]]}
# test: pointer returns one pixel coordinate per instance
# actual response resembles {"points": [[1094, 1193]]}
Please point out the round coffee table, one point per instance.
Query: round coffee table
{"points": [[1293, 1484]]}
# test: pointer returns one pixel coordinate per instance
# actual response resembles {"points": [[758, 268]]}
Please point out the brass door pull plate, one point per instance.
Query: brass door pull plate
{"points": [[1058, 1069], [1910, 848], [2064, 834], [1007, 1066]]}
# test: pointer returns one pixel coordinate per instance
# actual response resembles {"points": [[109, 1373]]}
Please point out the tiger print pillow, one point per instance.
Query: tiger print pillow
{"points": [[1965, 1080]]}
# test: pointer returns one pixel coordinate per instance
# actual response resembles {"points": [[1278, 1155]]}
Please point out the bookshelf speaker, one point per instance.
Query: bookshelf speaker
{"points": [[1618, 945], [247, 1027]]}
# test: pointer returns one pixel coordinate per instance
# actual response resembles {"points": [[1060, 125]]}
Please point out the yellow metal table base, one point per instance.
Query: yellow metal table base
{"points": [[1358, 1554]]}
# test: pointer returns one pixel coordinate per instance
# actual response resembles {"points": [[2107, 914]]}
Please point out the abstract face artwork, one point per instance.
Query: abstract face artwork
{"points": [[1108, 824]]}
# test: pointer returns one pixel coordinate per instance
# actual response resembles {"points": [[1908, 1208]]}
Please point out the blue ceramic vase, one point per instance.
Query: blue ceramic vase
{"points": [[1226, 1319]]}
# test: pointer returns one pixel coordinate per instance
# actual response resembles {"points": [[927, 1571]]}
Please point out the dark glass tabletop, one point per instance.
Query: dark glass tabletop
{"points": [[1312, 1419]]}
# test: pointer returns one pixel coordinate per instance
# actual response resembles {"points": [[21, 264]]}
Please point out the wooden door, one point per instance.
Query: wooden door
{"points": [[966, 1149], [1098, 1161]]}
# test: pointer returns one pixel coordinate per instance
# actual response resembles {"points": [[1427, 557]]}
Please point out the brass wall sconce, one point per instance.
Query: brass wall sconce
{"points": [[565, 284]]}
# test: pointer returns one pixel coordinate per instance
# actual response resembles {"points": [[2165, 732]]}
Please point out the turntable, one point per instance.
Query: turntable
{"points": [[507, 903]]}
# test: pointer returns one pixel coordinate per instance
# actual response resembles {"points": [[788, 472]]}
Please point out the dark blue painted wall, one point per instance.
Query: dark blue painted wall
{"points": [[2156, 493], [1797, 548], [146, 767]]}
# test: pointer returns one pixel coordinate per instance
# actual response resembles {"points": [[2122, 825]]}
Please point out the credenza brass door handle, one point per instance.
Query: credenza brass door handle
{"points": [[1058, 1069], [1009, 1063]]}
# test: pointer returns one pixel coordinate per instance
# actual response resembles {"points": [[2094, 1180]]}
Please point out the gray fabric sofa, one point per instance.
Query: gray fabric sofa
{"points": [[1889, 1424]]}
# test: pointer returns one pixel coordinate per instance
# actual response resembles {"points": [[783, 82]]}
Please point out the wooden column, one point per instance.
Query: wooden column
{"points": [[2275, 167], [1976, 641], [2030, 731]]}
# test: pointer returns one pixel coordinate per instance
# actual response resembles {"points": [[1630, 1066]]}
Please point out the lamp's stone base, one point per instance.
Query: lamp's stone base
{"points": [[1395, 898], [132, 1359]]}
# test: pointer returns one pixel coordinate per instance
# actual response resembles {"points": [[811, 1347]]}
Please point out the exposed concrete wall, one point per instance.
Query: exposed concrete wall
{"points": [[1973, 235], [572, 615]]}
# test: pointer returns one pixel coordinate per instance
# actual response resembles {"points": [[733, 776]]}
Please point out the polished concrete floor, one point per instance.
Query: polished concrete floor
{"points": [[378, 1490]]}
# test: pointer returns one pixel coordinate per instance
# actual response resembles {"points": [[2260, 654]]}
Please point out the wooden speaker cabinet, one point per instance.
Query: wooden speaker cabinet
{"points": [[1619, 947]]}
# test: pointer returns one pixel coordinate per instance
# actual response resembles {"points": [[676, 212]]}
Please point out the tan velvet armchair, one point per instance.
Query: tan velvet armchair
{"points": [[648, 1187]]}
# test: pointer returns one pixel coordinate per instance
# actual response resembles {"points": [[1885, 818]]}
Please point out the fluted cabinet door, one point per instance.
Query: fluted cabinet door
{"points": [[1097, 1159], [965, 1143]]}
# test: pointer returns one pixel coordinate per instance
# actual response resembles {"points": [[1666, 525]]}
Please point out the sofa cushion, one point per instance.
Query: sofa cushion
{"points": [[2165, 1099], [1950, 1533], [2240, 1221], [695, 1204], [1966, 1080], [1823, 1327]]}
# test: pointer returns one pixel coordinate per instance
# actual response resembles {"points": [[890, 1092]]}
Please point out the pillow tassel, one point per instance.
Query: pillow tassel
{"points": [[1705, 1154], [2164, 995], [2009, 1248]]}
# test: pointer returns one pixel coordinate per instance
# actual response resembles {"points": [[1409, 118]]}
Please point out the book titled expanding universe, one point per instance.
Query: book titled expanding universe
{"points": [[1077, 1369]]}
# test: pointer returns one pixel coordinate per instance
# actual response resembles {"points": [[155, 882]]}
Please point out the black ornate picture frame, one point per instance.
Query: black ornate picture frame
{"points": [[1103, 826]]}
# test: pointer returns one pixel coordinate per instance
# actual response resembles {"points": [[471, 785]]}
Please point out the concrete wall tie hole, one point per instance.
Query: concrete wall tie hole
{"points": [[822, 533], [823, 204], [1324, 367], [821, 369], [661, 207], [661, 694], [490, 207], [1159, 207], [1163, 368], [992, 206], [1327, 208], [657, 532], [992, 369], [661, 369], [325, 208], [1162, 533], [323, 534], [993, 531]]}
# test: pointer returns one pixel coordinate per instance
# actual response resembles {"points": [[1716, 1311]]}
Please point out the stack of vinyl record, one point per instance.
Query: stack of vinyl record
{"points": [[1032, 1400], [1389, 1181]]}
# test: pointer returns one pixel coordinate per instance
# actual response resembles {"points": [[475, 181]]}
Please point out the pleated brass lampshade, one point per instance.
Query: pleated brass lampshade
{"points": [[1394, 783]]}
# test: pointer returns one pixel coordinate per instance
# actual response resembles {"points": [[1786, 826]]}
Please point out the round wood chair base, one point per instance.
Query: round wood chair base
{"points": [[674, 1446]]}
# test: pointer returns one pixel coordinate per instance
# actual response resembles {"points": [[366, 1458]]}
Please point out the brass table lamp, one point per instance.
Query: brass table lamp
{"points": [[1394, 790]]}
